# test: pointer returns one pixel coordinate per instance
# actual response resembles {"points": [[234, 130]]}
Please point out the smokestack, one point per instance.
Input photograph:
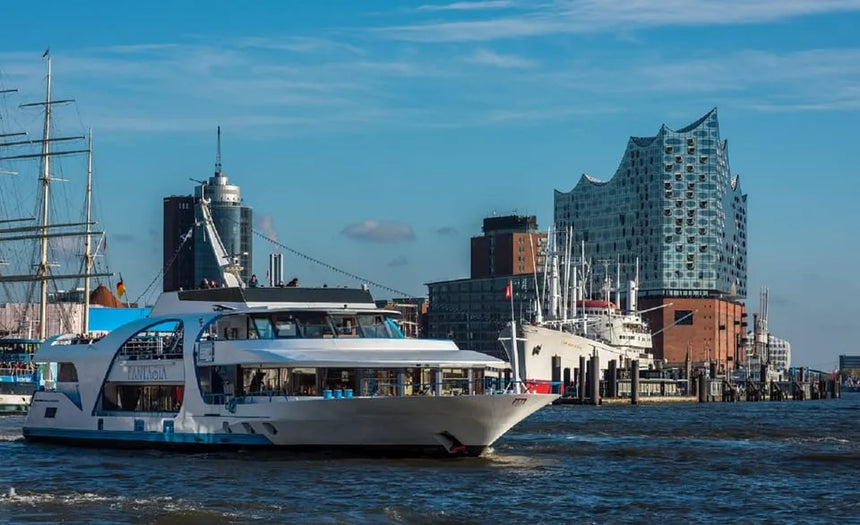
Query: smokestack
{"points": [[276, 268]]}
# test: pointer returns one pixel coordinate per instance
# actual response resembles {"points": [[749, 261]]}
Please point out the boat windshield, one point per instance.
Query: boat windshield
{"points": [[313, 325]]}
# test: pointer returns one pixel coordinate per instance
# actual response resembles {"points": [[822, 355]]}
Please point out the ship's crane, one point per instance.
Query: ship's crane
{"points": [[227, 263]]}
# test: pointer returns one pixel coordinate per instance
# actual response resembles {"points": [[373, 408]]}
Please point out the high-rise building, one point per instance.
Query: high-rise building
{"points": [[510, 245], [473, 311], [675, 217], [178, 246], [187, 250]]}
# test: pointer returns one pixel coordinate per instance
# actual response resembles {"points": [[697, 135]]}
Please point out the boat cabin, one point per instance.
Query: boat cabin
{"points": [[264, 355]]}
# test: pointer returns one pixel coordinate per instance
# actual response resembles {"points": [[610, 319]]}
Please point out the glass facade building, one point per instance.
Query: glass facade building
{"points": [[673, 207], [233, 222]]}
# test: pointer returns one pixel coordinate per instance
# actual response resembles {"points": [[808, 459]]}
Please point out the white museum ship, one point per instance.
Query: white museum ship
{"points": [[576, 327]]}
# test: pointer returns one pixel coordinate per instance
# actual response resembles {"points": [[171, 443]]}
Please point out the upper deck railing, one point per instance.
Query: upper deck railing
{"points": [[152, 347]]}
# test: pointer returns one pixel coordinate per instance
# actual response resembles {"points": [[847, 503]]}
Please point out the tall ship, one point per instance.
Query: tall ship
{"points": [[296, 368], [568, 324], [33, 246]]}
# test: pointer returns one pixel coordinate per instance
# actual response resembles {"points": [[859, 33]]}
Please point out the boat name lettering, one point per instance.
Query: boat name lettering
{"points": [[147, 373], [519, 401]]}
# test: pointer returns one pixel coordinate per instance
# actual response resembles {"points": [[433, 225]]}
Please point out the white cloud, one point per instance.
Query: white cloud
{"points": [[183, 87], [589, 16], [808, 80], [266, 223], [400, 260], [379, 231], [491, 58], [299, 45], [467, 6], [249, 90]]}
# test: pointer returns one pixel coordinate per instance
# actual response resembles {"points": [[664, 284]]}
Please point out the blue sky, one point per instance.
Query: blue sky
{"points": [[375, 136]]}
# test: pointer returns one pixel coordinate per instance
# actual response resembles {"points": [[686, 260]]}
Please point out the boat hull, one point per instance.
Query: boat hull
{"points": [[14, 403], [538, 345], [418, 425], [15, 397]]}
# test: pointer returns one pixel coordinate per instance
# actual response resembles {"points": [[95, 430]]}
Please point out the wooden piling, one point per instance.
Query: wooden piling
{"points": [[581, 385], [703, 388], [565, 379], [634, 382], [556, 374], [688, 375], [595, 380], [612, 380]]}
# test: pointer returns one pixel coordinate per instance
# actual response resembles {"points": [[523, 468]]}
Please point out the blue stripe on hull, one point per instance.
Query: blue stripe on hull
{"points": [[121, 438], [208, 442]]}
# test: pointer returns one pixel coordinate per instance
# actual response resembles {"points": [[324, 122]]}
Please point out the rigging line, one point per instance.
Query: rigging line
{"points": [[326, 265], [162, 271]]}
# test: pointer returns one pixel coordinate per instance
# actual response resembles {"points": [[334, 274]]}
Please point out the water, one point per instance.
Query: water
{"points": [[745, 463]]}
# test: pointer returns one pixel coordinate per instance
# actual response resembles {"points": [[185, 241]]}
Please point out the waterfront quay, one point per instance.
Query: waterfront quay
{"points": [[629, 385]]}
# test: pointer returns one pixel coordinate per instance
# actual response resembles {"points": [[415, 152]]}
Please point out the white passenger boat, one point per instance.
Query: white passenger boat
{"points": [[274, 367]]}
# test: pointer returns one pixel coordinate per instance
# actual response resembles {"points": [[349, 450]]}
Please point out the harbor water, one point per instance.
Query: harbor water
{"points": [[778, 462]]}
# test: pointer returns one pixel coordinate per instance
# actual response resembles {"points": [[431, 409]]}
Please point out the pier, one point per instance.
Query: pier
{"points": [[630, 385]]}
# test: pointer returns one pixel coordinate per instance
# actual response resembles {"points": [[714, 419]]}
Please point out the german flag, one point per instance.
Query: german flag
{"points": [[120, 288]]}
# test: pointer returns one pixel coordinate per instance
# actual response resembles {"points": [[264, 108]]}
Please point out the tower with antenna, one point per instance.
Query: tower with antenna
{"points": [[218, 154], [188, 250]]}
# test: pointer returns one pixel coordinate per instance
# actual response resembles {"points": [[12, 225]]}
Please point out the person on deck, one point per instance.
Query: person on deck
{"points": [[253, 282]]}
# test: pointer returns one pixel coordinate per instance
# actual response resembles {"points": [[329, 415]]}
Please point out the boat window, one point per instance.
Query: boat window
{"points": [[67, 373], [314, 324], [261, 381], [160, 341], [141, 398], [231, 327], [219, 383], [374, 326], [303, 382], [286, 325], [345, 325], [263, 328]]}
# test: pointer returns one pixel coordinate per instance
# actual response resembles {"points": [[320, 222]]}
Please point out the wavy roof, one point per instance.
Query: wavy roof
{"points": [[696, 124], [647, 141]]}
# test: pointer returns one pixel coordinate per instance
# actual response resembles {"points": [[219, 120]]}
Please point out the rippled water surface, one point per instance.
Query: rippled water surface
{"points": [[780, 462]]}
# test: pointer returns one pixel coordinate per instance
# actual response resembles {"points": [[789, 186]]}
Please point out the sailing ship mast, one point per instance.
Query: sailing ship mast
{"points": [[45, 180], [43, 230], [88, 256]]}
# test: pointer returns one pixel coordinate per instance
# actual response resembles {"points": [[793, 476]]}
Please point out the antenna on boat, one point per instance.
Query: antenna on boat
{"points": [[218, 154]]}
